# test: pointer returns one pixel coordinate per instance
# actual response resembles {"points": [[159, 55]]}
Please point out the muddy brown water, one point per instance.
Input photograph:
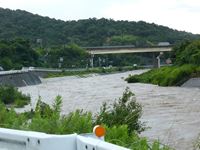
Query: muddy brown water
{"points": [[172, 113]]}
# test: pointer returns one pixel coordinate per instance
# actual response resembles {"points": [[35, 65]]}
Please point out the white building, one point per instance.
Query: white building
{"points": [[163, 44]]}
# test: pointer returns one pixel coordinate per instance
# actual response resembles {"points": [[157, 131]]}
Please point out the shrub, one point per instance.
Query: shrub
{"points": [[11, 95], [49, 120], [78, 122], [10, 119], [125, 111], [120, 135]]}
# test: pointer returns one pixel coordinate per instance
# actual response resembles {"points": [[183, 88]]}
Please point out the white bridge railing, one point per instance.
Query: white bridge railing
{"points": [[12, 72], [29, 69], [27, 140]]}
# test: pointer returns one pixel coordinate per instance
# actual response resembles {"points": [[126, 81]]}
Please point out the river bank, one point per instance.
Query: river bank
{"points": [[171, 112], [167, 76], [97, 70]]}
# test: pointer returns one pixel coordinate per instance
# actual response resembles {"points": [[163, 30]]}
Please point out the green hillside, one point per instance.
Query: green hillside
{"points": [[88, 32], [41, 41]]}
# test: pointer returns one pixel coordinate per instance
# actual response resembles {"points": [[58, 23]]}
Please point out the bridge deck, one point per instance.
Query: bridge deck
{"points": [[119, 50], [126, 49]]}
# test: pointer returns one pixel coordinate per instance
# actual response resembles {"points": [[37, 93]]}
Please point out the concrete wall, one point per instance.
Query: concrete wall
{"points": [[19, 79], [193, 82]]}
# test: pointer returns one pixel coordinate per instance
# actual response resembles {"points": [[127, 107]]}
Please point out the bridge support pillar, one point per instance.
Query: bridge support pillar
{"points": [[156, 60], [92, 61]]}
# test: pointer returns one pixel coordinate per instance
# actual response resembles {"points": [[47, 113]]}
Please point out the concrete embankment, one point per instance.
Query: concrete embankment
{"points": [[193, 82], [19, 78]]}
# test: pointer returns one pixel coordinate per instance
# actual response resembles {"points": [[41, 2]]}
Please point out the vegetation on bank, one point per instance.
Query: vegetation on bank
{"points": [[186, 57], [17, 54], [11, 96], [187, 52], [167, 76], [48, 119], [103, 70]]}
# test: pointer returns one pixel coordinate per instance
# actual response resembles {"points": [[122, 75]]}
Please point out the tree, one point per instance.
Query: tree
{"points": [[125, 111], [187, 52]]}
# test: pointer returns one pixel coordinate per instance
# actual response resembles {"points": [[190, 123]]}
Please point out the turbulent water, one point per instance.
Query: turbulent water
{"points": [[172, 113]]}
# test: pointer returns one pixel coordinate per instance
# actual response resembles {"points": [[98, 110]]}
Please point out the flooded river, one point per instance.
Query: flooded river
{"points": [[172, 113]]}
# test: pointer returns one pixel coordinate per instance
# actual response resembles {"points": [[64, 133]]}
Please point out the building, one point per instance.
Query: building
{"points": [[163, 44]]}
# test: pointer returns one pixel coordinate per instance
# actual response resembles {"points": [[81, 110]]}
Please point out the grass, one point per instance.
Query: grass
{"points": [[167, 76]]}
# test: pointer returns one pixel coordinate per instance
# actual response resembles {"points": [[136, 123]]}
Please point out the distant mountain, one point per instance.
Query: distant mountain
{"points": [[88, 32]]}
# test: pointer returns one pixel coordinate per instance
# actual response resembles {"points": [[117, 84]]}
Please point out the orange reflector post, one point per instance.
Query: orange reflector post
{"points": [[99, 131]]}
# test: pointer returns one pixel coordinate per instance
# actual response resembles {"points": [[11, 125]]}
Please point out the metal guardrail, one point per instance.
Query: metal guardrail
{"points": [[27, 140]]}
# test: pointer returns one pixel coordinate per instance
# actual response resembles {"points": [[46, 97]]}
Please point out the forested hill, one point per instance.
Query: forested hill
{"points": [[89, 32]]}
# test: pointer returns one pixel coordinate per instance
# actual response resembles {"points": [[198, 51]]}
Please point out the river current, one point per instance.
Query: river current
{"points": [[172, 113]]}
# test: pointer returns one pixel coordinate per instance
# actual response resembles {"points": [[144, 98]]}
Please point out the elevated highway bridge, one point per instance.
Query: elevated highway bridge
{"points": [[102, 50], [126, 49]]}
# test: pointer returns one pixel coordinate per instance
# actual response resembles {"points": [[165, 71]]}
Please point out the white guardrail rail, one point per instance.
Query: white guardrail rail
{"points": [[28, 69], [28, 140]]}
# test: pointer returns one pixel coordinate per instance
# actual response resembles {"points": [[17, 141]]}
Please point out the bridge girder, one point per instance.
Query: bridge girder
{"points": [[128, 50]]}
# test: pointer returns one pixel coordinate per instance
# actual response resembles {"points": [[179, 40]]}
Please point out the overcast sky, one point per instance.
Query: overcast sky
{"points": [[177, 14]]}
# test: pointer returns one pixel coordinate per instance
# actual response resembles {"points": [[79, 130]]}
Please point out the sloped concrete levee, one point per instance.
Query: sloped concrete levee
{"points": [[19, 78], [26, 76], [193, 82]]}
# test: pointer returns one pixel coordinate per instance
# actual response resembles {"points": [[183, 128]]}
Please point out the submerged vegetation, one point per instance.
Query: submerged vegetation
{"points": [[186, 56], [48, 119]]}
